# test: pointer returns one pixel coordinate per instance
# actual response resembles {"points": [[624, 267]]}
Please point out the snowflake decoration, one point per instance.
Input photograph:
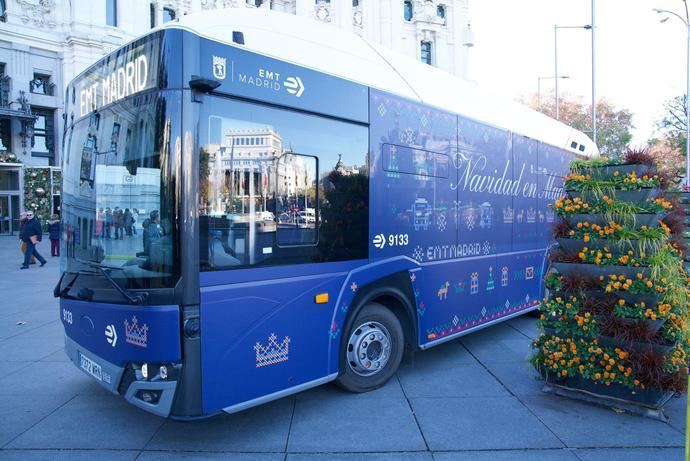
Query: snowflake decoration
{"points": [[418, 254], [470, 221], [407, 136], [353, 287], [456, 320], [486, 247], [424, 120], [334, 330], [413, 277], [441, 221], [382, 109]]}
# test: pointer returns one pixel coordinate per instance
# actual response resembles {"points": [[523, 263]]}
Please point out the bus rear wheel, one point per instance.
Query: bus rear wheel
{"points": [[373, 349]]}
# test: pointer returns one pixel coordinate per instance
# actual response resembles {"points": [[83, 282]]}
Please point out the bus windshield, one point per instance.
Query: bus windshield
{"points": [[118, 188]]}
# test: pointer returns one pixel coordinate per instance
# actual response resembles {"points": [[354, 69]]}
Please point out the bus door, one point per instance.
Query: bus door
{"points": [[283, 215]]}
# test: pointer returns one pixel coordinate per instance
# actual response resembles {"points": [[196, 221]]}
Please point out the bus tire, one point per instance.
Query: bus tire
{"points": [[372, 350]]}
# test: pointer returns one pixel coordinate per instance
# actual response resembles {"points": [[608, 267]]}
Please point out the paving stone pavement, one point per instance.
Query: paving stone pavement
{"points": [[476, 398]]}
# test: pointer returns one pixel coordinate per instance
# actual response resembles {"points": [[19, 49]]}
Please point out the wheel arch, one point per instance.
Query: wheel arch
{"points": [[395, 293]]}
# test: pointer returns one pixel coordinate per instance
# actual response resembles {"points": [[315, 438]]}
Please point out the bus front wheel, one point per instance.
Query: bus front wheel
{"points": [[373, 350]]}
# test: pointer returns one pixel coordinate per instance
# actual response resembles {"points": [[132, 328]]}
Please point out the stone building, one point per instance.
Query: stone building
{"points": [[46, 43]]}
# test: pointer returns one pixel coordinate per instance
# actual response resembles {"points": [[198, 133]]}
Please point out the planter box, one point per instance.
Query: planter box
{"points": [[683, 197], [637, 220], [615, 246], [650, 300], [594, 270], [606, 172], [608, 341], [653, 326], [635, 346], [571, 245], [614, 393], [634, 196]]}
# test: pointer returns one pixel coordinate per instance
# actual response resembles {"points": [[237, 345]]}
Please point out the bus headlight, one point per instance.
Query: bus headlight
{"points": [[156, 371]]}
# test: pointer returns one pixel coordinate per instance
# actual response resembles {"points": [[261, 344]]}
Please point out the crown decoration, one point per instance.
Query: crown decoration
{"points": [[508, 215], [549, 215], [135, 334], [272, 353], [531, 216]]}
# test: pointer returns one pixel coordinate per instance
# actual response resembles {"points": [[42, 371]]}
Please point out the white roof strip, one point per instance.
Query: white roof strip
{"points": [[327, 49]]}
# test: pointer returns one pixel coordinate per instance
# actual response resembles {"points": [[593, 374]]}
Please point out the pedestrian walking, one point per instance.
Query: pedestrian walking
{"points": [[100, 216], [118, 222], [129, 221], [22, 222], [135, 217], [54, 230], [108, 222], [31, 234]]}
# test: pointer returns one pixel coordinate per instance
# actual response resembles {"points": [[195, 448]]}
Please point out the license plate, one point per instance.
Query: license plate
{"points": [[90, 367]]}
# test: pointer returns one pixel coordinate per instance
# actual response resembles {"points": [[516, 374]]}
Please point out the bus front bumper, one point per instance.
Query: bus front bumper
{"points": [[155, 395]]}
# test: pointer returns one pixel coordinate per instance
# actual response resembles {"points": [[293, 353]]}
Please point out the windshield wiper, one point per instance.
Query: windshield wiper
{"points": [[137, 298], [59, 293]]}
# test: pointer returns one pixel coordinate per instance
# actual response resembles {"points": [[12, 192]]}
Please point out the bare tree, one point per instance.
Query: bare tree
{"points": [[673, 125], [613, 124]]}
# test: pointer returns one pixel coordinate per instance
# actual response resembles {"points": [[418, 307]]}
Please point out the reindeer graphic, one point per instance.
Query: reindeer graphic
{"points": [[443, 291]]}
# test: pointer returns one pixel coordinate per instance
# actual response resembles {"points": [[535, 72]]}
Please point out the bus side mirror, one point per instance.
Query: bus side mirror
{"points": [[201, 86]]}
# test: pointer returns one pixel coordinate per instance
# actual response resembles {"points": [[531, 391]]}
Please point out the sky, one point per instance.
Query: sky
{"points": [[640, 62]]}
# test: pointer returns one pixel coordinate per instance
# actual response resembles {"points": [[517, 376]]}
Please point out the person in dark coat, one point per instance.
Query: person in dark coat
{"points": [[22, 221], [118, 218], [129, 222], [31, 235], [54, 228], [108, 222]]}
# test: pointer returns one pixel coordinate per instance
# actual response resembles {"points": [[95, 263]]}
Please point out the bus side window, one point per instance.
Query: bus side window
{"points": [[297, 199]]}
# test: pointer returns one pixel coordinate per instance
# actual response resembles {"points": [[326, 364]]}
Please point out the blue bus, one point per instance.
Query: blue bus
{"points": [[255, 204]]}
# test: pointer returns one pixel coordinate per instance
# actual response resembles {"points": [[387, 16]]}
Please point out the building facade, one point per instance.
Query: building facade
{"points": [[46, 43]]}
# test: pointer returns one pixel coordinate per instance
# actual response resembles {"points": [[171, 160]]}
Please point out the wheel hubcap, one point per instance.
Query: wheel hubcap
{"points": [[369, 349]]}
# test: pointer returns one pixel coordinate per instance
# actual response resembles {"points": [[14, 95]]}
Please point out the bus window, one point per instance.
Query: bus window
{"points": [[279, 187]]}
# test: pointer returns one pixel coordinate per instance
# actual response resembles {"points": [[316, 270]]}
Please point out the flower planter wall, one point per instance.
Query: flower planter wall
{"points": [[613, 325]]}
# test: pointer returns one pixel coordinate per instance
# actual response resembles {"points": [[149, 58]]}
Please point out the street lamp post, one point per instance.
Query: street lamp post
{"points": [[539, 79], [555, 57], [686, 22], [594, 87]]}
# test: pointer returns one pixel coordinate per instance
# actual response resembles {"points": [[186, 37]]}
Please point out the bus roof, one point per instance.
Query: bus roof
{"points": [[322, 47]]}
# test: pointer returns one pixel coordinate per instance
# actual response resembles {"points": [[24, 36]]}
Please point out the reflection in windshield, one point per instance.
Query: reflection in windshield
{"points": [[118, 195]]}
